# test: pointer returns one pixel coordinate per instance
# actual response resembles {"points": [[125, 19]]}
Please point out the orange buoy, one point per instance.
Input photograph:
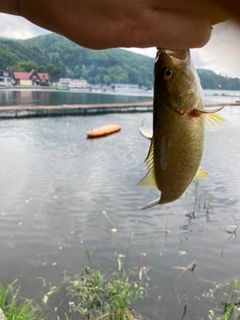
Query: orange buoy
{"points": [[103, 130]]}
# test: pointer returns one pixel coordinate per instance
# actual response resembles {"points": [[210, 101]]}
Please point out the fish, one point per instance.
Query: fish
{"points": [[179, 119]]}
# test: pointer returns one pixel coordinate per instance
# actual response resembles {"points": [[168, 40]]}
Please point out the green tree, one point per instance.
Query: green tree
{"points": [[41, 69], [25, 66], [84, 72], [54, 73], [77, 72], [63, 72], [69, 73], [107, 79]]}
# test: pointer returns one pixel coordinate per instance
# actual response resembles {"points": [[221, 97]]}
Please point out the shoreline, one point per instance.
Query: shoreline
{"points": [[144, 93]]}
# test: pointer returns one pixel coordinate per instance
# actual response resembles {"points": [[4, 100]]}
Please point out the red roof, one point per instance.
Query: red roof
{"points": [[22, 75], [27, 75], [43, 76]]}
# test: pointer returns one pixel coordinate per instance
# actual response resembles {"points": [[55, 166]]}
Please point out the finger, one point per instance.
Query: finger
{"points": [[232, 7], [138, 26], [172, 29], [216, 13]]}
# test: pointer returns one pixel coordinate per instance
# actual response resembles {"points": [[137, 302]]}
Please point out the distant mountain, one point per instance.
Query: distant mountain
{"points": [[206, 71], [61, 57], [73, 61]]}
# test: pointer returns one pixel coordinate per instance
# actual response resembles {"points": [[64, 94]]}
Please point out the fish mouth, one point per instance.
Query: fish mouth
{"points": [[177, 56]]}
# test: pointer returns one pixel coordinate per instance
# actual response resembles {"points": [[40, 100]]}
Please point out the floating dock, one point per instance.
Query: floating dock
{"points": [[9, 112]]}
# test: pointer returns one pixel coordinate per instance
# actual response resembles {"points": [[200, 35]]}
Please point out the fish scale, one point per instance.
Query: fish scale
{"points": [[183, 158]]}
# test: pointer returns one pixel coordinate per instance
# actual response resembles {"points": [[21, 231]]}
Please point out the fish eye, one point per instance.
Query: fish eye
{"points": [[167, 73]]}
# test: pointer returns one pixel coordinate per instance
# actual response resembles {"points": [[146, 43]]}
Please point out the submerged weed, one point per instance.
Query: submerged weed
{"points": [[230, 301], [105, 296]]}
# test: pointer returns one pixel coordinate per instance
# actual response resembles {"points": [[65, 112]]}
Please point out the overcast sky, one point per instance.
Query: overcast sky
{"points": [[221, 54]]}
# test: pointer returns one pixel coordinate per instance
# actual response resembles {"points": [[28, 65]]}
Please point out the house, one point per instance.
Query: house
{"points": [[73, 83], [124, 87], [64, 81], [32, 78], [5, 79], [78, 83]]}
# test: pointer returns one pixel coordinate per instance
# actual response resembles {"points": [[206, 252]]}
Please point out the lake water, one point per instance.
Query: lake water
{"points": [[54, 97], [61, 194]]}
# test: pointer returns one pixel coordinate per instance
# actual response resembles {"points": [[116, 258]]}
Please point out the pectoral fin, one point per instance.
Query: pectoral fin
{"points": [[213, 120]]}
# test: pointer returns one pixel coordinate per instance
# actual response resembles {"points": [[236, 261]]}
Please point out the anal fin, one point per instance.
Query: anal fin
{"points": [[200, 174]]}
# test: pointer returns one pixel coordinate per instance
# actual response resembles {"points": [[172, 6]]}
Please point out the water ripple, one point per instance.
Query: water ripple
{"points": [[61, 194]]}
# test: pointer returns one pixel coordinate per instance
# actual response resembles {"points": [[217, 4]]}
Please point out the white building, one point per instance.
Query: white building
{"points": [[73, 83], [124, 87], [64, 81], [78, 83], [5, 79]]}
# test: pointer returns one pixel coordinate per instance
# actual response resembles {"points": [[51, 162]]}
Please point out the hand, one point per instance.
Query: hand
{"points": [[101, 24]]}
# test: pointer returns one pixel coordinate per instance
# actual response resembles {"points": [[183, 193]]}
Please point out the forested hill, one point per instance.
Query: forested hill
{"points": [[52, 51], [60, 57]]}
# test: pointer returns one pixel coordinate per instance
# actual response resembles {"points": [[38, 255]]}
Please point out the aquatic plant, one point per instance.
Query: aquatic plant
{"points": [[15, 307], [230, 301], [112, 296]]}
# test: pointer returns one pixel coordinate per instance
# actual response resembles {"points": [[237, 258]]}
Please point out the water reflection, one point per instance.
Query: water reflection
{"points": [[37, 97]]}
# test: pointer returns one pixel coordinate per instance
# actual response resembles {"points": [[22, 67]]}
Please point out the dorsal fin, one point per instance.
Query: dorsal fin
{"points": [[149, 179]]}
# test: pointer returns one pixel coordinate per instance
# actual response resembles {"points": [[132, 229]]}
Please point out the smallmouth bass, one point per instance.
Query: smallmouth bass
{"points": [[176, 149]]}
